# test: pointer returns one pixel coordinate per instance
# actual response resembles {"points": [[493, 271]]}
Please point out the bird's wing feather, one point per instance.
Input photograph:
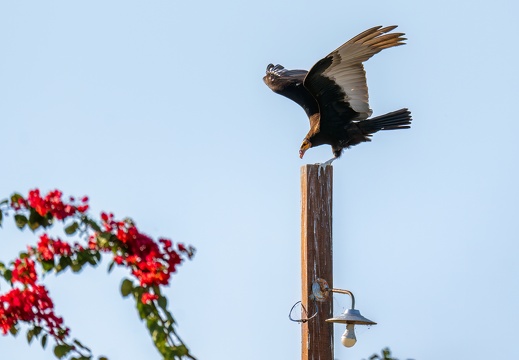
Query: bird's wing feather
{"points": [[338, 81]]}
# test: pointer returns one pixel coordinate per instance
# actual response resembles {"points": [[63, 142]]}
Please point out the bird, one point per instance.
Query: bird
{"points": [[334, 93]]}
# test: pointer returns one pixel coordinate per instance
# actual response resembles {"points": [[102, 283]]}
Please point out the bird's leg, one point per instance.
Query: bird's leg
{"points": [[325, 164], [329, 162]]}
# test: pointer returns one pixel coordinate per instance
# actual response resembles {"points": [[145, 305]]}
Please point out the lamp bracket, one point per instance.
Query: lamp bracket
{"points": [[321, 291]]}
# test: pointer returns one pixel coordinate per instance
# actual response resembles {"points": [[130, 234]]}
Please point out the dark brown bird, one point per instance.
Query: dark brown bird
{"points": [[334, 93]]}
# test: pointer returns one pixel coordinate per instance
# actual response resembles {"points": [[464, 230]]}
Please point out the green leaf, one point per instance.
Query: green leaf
{"points": [[126, 287], [48, 220], [153, 324], [81, 345], [91, 259], [93, 224], [3, 202], [15, 197], [103, 358], [44, 341], [1, 217], [34, 332], [169, 317], [30, 335], [13, 330], [137, 293], [61, 350], [64, 262], [37, 330], [81, 258], [111, 266], [103, 239], [35, 220], [76, 267], [72, 228], [8, 274], [158, 336], [181, 350], [20, 221], [163, 303], [144, 310], [47, 265]]}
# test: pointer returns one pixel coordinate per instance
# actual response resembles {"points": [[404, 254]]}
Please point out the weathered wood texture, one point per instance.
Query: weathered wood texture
{"points": [[316, 258]]}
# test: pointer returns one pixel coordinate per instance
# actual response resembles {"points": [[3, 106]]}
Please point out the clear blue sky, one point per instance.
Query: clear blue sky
{"points": [[157, 111]]}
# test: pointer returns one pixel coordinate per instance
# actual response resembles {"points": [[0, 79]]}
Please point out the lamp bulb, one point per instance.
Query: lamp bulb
{"points": [[348, 339]]}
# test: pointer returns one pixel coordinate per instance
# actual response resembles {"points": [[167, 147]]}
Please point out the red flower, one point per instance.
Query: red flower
{"points": [[82, 208], [53, 204], [147, 297], [37, 202], [43, 247], [150, 262], [24, 272], [48, 248], [31, 304], [62, 248]]}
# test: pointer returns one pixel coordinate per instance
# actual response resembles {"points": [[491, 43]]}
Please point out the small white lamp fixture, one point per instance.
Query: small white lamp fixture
{"points": [[350, 317]]}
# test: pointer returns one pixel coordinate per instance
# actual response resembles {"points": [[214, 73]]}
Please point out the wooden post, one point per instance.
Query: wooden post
{"points": [[316, 258]]}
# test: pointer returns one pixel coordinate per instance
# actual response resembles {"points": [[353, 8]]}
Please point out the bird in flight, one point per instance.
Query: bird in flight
{"points": [[334, 93]]}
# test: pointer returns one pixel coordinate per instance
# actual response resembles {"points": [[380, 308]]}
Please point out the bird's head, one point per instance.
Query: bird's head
{"points": [[304, 146], [271, 76], [275, 77]]}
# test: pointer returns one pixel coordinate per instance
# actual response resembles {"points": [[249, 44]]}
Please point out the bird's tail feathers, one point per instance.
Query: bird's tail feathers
{"points": [[400, 119]]}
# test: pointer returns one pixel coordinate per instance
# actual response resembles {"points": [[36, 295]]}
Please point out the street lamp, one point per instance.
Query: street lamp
{"points": [[350, 317]]}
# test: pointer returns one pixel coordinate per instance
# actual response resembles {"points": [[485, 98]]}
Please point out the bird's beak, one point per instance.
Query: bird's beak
{"points": [[306, 145]]}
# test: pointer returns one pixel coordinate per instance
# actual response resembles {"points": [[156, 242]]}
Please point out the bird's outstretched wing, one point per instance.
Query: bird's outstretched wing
{"points": [[338, 81]]}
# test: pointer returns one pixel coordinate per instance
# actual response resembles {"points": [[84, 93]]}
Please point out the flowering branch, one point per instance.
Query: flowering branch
{"points": [[150, 263]]}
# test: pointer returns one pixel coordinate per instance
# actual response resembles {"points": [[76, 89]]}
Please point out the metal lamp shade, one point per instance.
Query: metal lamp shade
{"points": [[351, 316]]}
